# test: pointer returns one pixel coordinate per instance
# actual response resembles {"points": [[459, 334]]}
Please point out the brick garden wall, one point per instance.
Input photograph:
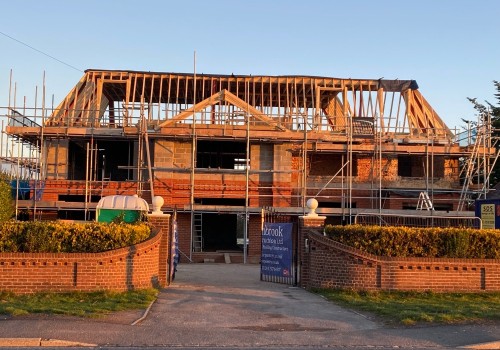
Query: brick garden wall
{"points": [[140, 266], [328, 264]]}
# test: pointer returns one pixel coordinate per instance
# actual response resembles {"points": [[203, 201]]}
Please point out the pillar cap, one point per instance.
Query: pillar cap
{"points": [[157, 203], [312, 205]]}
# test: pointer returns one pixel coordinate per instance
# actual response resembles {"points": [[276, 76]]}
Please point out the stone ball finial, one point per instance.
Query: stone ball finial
{"points": [[157, 204], [312, 204]]}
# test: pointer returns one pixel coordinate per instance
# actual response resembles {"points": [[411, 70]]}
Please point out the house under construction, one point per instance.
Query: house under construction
{"points": [[219, 148]]}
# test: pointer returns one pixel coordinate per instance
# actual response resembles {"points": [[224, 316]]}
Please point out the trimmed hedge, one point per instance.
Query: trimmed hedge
{"points": [[419, 242], [62, 237]]}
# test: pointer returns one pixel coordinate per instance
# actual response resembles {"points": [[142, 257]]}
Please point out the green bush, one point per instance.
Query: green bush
{"points": [[62, 237], [6, 203], [419, 242]]}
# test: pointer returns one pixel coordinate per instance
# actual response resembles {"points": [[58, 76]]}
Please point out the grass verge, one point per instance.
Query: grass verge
{"points": [[410, 308], [90, 304]]}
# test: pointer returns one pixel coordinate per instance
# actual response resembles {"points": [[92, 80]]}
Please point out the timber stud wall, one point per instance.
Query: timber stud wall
{"points": [[329, 264], [140, 266]]}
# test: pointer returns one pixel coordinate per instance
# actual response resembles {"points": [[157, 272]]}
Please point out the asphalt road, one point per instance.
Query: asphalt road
{"points": [[226, 305]]}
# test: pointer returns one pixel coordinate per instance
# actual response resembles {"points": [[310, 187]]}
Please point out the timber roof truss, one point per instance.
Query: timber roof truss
{"points": [[364, 107]]}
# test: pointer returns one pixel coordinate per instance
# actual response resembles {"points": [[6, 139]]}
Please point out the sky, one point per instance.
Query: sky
{"points": [[450, 47]]}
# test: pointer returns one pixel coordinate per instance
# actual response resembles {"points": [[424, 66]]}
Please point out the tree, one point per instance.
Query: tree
{"points": [[6, 203], [491, 112]]}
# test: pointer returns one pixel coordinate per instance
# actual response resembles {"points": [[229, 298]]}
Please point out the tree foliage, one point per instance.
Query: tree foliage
{"points": [[6, 204], [490, 111]]}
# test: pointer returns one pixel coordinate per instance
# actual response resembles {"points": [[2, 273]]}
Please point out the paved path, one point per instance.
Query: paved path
{"points": [[227, 305]]}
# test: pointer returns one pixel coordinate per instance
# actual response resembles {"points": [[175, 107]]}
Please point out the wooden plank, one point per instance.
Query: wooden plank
{"points": [[381, 105]]}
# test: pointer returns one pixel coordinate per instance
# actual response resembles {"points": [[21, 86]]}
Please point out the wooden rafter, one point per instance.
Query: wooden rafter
{"points": [[335, 113], [281, 102], [68, 104], [210, 101], [422, 116], [244, 106], [222, 96]]}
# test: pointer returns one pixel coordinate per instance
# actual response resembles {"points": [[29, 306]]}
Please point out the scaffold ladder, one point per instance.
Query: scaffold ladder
{"points": [[197, 229]]}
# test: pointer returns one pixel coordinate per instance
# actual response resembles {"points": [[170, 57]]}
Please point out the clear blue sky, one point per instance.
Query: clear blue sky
{"points": [[450, 47]]}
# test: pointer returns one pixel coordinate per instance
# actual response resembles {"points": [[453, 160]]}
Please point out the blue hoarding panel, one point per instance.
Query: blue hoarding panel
{"points": [[277, 249]]}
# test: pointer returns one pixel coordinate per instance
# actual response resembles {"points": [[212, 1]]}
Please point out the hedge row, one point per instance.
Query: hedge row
{"points": [[62, 237], [419, 242]]}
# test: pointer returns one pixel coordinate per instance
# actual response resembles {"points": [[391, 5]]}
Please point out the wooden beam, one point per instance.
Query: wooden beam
{"points": [[381, 105], [214, 99], [222, 96], [421, 115], [244, 106]]}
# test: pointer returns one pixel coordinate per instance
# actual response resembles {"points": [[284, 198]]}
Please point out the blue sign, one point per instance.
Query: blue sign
{"points": [[277, 249], [174, 249]]}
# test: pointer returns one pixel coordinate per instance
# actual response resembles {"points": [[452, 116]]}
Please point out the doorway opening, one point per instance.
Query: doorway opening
{"points": [[218, 231]]}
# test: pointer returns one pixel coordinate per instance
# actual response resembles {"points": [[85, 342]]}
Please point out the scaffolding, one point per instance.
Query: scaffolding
{"points": [[285, 138], [477, 168]]}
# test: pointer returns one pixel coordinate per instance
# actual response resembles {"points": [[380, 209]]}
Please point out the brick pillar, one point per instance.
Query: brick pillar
{"points": [[162, 222], [307, 224]]}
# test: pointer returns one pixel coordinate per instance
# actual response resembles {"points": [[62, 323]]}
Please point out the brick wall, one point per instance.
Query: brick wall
{"points": [[53, 188], [184, 227], [254, 239], [328, 264], [162, 223], [140, 266], [280, 187]]}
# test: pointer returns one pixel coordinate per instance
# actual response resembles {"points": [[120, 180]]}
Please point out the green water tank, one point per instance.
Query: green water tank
{"points": [[110, 208]]}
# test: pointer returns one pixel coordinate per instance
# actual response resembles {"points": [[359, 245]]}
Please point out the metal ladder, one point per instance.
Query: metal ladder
{"points": [[197, 232], [424, 202]]}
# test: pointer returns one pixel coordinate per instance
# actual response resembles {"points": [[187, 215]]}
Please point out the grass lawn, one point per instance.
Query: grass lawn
{"points": [[409, 308], [75, 303]]}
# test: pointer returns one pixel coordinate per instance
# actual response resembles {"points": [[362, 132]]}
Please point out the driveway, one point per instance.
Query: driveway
{"points": [[226, 305]]}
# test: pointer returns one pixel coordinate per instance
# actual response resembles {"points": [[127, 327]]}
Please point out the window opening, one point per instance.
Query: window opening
{"points": [[114, 160], [221, 155], [330, 164], [414, 166]]}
